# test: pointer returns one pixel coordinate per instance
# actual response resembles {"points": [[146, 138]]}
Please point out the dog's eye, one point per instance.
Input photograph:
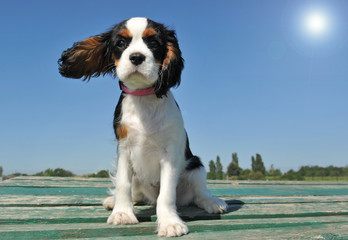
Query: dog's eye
{"points": [[153, 44], [121, 43]]}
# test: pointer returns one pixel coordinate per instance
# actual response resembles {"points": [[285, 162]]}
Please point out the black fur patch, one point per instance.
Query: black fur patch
{"points": [[193, 161], [170, 72], [118, 114]]}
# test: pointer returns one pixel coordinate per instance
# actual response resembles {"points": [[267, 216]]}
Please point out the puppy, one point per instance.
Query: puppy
{"points": [[155, 163]]}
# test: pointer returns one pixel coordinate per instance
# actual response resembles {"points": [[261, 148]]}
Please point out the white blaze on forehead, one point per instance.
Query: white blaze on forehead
{"points": [[137, 26]]}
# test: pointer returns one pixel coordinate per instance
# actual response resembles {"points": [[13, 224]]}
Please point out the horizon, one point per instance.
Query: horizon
{"points": [[266, 77], [207, 169]]}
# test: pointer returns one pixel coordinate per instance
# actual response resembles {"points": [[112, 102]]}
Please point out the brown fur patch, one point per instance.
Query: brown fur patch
{"points": [[170, 55], [125, 33], [88, 45], [121, 132], [87, 56], [149, 32], [116, 61]]}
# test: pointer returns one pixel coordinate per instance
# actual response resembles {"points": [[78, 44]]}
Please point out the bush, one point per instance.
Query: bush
{"points": [[256, 175], [292, 176], [58, 172], [100, 174], [244, 174]]}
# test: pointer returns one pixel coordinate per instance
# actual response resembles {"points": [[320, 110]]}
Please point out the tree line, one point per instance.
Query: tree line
{"points": [[58, 172], [234, 172], [259, 172]]}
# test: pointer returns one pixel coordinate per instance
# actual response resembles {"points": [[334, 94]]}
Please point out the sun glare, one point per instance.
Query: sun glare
{"points": [[315, 30], [316, 23]]}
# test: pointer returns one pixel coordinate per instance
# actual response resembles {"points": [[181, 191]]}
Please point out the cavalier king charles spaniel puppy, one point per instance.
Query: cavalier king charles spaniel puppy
{"points": [[154, 163]]}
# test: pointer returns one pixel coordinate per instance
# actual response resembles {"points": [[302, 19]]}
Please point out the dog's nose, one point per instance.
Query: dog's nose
{"points": [[137, 58]]}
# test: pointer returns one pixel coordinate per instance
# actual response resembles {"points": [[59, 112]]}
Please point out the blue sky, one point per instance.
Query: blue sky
{"points": [[256, 80]]}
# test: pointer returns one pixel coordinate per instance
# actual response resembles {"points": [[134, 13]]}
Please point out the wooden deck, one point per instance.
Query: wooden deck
{"points": [[70, 208]]}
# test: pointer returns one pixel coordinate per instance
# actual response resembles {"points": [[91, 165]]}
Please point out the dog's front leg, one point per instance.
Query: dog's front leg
{"points": [[123, 212], [169, 223]]}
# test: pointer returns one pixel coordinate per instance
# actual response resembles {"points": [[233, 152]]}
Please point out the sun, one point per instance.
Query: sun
{"points": [[316, 23]]}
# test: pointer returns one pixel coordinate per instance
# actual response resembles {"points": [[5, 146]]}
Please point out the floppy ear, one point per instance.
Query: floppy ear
{"points": [[88, 58], [172, 65]]}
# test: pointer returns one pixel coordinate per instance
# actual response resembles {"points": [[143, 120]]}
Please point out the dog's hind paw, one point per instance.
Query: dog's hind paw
{"points": [[214, 205], [109, 203]]}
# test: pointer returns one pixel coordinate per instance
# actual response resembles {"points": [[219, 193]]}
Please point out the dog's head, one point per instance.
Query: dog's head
{"points": [[141, 52]]}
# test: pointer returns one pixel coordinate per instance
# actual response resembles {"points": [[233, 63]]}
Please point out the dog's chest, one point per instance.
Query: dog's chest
{"points": [[149, 115], [154, 128]]}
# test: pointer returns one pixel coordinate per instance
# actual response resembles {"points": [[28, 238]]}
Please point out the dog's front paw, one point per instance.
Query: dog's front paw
{"points": [[118, 218], [172, 228], [214, 205]]}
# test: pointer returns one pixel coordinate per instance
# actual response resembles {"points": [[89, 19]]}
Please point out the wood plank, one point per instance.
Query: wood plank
{"points": [[87, 191], [73, 214], [80, 200], [54, 179], [217, 229], [50, 201], [287, 199], [277, 183], [57, 182], [106, 182]]}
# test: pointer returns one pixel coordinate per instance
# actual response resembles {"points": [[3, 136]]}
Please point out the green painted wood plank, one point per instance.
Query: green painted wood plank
{"points": [[270, 183], [217, 228], [106, 182], [57, 182], [287, 186], [80, 200], [288, 191], [198, 223], [288, 199], [29, 215], [279, 191], [53, 179], [54, 191], [49, 201], [91, 184]]}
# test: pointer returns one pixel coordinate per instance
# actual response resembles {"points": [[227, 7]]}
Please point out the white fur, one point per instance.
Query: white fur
{"points": [[151, 159]]}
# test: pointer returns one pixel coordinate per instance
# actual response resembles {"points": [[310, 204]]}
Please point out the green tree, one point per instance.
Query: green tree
{"points": [[253, 163], [255, 175], [100, 174], [212, 170], [260, 166], [233, 168], [219, 169], [58, 172], [257, 164], [274, 173], [244, 174], [1, 171], [291, 175], [47, 173]]}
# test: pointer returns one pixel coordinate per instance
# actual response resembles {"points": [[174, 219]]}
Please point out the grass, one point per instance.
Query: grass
{"points": [[327, 179]]}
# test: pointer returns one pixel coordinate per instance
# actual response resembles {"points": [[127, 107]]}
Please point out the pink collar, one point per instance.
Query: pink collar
{"points": [[140, 92]]}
